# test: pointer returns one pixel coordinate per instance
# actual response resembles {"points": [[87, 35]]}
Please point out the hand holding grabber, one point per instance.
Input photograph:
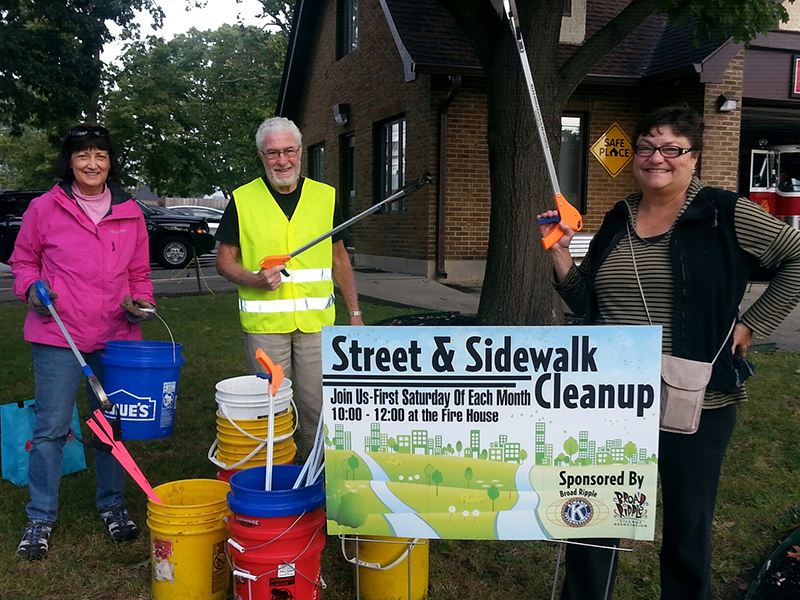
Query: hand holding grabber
{"points": [[268, 262], [566, 212]]}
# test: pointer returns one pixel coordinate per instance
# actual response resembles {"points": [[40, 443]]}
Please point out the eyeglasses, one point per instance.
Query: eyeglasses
{"points": [[666, 151], [82, 130], [287, 152]]}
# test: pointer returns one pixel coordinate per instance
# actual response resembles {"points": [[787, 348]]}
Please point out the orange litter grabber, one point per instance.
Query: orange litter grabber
{"points": [[274, 375], [107, 436], [269, 262], [566, 212], [276, 371]]}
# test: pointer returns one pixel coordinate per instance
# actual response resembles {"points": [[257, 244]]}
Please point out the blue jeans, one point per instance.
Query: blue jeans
{"points": [[58, 377]]}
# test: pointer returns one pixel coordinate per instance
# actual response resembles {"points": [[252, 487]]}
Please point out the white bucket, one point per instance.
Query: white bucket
{"points": [[247, 398]]}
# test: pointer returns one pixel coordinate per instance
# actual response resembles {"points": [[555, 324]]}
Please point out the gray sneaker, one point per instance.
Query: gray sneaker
{"points": [[119, 523], [34, 543]]}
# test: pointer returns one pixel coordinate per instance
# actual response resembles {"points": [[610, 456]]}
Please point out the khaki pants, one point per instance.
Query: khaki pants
{"points": [[300, 355]]}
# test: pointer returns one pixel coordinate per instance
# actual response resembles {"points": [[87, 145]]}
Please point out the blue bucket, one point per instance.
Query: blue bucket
{"points": [[141, 378], [248, 496]]}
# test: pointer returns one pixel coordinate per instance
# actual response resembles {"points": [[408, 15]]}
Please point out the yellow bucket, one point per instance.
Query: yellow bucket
{"points": [[390, 568], [187, 540], [240, 444]]}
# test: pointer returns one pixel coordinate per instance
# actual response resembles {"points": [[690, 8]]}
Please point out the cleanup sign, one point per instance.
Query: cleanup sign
{"points": [[491, 433], [613, 149]]}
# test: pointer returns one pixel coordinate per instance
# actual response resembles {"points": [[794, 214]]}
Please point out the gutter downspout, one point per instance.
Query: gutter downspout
{"points": [[441, 204]]}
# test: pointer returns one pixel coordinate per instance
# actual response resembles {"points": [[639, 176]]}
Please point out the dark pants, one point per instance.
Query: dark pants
{"points": [[689, 468]]}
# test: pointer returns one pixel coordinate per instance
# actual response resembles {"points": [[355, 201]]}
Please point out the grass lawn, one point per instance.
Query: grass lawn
{"points": [[759, 500]]}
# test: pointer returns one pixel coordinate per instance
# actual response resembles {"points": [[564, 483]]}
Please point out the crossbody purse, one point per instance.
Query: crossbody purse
{"points": [[683, 381]]}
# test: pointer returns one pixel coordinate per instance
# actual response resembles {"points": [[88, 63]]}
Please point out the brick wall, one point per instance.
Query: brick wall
{"points": [[371, 81], [720, 161]]}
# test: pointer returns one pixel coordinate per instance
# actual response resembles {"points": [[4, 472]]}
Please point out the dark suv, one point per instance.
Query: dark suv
{"points": [[174, 238]]}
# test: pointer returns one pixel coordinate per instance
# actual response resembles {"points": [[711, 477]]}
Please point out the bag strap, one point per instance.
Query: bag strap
{"points": [[644, 301]]}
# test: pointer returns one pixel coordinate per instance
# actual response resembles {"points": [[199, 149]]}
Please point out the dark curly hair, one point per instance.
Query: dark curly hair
{"points": [[682, 119], [86, 137]]}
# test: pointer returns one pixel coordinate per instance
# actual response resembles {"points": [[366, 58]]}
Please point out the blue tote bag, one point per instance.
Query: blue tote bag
{"points": [[16, 431]]}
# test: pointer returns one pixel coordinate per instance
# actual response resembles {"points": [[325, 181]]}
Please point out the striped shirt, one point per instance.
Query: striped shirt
{"points": [[773, 243]]}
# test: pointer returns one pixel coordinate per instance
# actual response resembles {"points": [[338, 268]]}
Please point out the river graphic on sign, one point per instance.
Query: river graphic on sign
{"points": [[613, 149]]}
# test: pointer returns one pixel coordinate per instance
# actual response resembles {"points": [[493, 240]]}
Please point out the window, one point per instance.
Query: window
{"points": [[346, 27], [567, 8], [391, 163], [316, 162], [572, 160], [347, 181]]}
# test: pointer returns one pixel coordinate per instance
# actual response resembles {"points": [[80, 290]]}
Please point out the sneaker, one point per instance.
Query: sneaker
{"points": [[119, 523], [33, 545]]}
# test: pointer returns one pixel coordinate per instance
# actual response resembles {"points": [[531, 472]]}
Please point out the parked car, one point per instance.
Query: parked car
{"points": [[174, 238], [212, 215]]}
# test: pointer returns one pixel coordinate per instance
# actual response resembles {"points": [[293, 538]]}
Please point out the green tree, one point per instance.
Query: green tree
{"points": [[570, 446], [468, 475], [184, 113], [459, 447], [516, 289], [493, 494], [630, 450], [50, 68], [437, 479], [27, 162], [351, 513], [428, 470]]}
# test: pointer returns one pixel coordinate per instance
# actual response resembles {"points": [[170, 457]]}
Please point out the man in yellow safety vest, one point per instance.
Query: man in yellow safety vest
{"points": [[283, 313]]}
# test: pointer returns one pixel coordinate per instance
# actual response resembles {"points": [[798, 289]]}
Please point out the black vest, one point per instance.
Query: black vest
{"points": [[710, 273]]}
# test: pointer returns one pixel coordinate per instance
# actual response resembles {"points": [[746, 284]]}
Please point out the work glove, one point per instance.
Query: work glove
{"points": [[137, 310], [37, 305]]}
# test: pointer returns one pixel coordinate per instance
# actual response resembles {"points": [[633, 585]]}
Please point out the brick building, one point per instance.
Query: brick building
{"points": [[386, 90]]}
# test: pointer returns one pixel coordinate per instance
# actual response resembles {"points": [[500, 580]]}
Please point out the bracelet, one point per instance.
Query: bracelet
{"points": [[355, 313]]}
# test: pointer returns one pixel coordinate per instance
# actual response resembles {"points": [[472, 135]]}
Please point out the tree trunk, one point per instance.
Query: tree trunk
{"points": [[517, 287]]}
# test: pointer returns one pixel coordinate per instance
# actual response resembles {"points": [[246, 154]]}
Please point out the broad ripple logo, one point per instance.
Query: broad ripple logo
{"points": [[630, 509], [577, 512]]}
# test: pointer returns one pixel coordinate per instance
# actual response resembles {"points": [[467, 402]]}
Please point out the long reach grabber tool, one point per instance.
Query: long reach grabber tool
{"points": [[566, 212], [269, 262]]}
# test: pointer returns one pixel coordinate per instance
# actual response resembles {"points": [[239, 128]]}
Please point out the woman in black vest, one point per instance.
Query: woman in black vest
{"points": [[679, 254]]}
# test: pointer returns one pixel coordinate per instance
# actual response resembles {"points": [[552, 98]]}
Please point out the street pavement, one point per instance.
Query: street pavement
{"points": [[397, 289]]}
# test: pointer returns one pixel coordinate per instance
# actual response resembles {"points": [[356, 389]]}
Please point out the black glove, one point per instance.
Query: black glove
{"points": [[37, 305], [137, 310]]}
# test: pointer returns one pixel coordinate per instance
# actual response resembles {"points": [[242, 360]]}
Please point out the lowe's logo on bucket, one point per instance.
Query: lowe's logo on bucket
{"points": [[132, 407]]}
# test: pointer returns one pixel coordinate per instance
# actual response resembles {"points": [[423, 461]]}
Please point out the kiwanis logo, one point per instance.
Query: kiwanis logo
{"points": [[577, 512]]}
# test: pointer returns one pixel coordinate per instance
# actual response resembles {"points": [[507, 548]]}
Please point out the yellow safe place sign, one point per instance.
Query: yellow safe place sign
{"points": [[613, 149]]}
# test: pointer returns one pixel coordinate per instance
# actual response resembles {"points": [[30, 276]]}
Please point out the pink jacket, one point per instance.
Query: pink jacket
{"points": [[91, 268]]}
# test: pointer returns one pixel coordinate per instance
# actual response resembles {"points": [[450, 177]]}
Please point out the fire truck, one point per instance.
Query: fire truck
{"points": [[775, 181]]}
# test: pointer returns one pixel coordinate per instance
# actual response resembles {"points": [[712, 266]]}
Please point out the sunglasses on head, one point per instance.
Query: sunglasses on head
{"points": [[82, 130]]}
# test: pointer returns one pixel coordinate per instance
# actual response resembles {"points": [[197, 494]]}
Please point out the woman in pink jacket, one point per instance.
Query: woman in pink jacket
{"points": [[87, 242]]}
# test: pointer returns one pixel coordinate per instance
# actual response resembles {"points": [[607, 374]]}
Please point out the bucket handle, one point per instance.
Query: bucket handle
{"points": [[242, 549], [258, 439], [212, 455], [378, 566]]}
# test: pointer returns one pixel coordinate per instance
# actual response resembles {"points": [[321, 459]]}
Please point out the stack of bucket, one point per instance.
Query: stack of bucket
{"points": [[276, 536], [188, 534], [243, 423]]}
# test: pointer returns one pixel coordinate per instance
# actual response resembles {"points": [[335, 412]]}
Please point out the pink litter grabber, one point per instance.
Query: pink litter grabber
{"points": [[108, 436]]}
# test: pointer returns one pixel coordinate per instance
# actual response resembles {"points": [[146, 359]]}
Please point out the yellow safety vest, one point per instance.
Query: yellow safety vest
{"points": [[305, 299]]}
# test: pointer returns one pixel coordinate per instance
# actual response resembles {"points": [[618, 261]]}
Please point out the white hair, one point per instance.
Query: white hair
{"points": [[277, 125]]}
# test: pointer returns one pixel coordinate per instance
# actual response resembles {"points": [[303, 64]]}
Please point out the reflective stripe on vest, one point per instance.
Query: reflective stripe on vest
{"points": [[304, 300], [288, 305]]}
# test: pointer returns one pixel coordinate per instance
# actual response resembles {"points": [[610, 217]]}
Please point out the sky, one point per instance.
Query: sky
{"points": [[178, 20]]}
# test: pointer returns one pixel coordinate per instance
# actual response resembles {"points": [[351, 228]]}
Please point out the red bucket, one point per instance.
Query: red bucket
{"points": [[277, 557]]}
